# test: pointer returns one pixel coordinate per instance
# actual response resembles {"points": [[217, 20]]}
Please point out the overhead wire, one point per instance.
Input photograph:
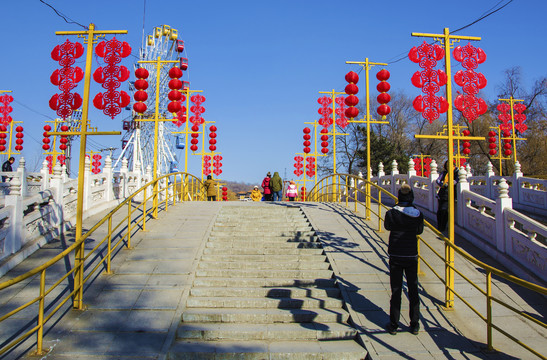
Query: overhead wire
{"points": [[67, 19]]}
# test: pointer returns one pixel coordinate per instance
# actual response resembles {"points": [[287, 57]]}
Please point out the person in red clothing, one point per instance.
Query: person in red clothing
{"points": [[405, 222], [266, 187]]}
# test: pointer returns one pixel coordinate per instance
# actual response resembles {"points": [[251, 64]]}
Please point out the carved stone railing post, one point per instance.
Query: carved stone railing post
{"points": [[381, 171], [489, 175], [14, 201], [22, 174], [57, 185], [516, 188], [468, 170], [463, 184], [502, 202], [124, 178], [108, 174], [433, 175], [44, 171], [394, 171], [411, 170]]}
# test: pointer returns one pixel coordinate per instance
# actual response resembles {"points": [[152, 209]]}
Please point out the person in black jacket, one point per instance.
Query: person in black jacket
{"points": [[6, 167], [405, 222]]}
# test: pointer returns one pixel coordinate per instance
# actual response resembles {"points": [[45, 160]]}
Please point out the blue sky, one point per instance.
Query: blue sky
{"points": [[262, 63]]}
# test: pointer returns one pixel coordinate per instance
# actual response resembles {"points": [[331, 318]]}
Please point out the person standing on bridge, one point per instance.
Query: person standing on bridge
{"points": [[211, 188], [276, 184], [6, 167], [442, 196], [405, 222], [266, 187], [292, 191], [256, 195]]}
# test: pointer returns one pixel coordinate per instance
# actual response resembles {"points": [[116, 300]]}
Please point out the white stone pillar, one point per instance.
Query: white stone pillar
{"points": [[502, 202], [87, 204], [489, 193], [463, 184], [108, 174], [381, 170], [124, 175], [14, 201], [394, 171], [22, 173], [44, 171], [433, 175], [411, 170], [516, 188], [57, 187]]}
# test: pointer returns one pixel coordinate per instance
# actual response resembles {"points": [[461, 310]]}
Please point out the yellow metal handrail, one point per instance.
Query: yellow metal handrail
{"points": [[340, 190], [187, 188]]}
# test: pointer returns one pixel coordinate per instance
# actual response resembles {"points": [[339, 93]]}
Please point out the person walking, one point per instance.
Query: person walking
{"points": [[210, 186], [266, 187], [6, 167], [256, 195], [276, 185], [405, 222], [292, 191]]}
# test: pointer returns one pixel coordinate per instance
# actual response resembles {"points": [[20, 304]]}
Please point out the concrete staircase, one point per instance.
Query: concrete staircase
{"points": [[264, 290]]}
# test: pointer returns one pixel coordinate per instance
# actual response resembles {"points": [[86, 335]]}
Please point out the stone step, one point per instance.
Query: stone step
{"points": [[229, 282], [271, 332], [260, 350], [238, 244], [257, 238], [262, 251], [271, 292], [263, 232], [264, 316], [253, 273], [264, 265], [258, 258], [263, 303]]}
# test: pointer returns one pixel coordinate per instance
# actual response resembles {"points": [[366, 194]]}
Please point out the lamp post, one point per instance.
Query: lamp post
{"points": [[521, 127]]}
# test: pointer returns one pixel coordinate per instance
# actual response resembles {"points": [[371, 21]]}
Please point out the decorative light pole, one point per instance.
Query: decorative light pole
{"points": [[68, 52], [5, 121], [510, 129], [383, 87], [430, 80]]}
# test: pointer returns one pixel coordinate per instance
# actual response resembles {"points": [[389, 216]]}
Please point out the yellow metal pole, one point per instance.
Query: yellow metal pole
{"points": [[144, 210], [489, 310], [41, 305], [129, 225], [109, 249], [156, 130]]}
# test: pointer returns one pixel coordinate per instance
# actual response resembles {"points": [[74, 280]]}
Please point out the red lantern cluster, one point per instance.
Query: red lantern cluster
{"points": [[466, 144], [206, 165], [520, 126], [175, 95], [225, 193], [111, 76], [3, 136], [303, 193], [61, 159], [310, 166], [5, 109], [46, 139], [298, 166], [422, 169], [66, 78], [217, 165], [325, 111], [470, 81], [324, 141], [140, 95], [352, 89], [505, 127], [492, 143], [429, 80], [96, 163], [506, 142], [49, 160], [307, 141], [64, 139], [341, 120], [196, 118], [383, 98], [19, 138], [212, 138]]}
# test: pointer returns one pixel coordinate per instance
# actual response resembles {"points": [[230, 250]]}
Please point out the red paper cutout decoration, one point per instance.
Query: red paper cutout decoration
{"points": [[325, 111], [341, 120], [96, 163], [298, 166], [471, 82], [196, 118], [217, 165], [140, 95], [111, 77], [383, 98], [307, 141], [520, 126], [352, 89], [429, 80], [66, 78], [49, 160], [206, 165], [310, 166], [5, 109], [422, 169], [61, 159]]}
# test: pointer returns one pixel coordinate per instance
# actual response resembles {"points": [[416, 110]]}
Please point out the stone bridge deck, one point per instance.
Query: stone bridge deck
{"points": [[134, 313]]}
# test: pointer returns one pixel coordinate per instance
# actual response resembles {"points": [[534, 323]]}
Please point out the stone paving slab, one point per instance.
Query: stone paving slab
{"points": [[359, 257]]}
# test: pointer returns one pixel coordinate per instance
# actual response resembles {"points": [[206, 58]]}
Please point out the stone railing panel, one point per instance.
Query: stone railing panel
{"points": [[478, 216]]}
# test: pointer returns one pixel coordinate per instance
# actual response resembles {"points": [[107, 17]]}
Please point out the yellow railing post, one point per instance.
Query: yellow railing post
{"points": [[129, 225], [144, 210], [489, 310], [40, 333], [175, 191], [109, 249], [347, 191], [166, 195], [379, 210]]}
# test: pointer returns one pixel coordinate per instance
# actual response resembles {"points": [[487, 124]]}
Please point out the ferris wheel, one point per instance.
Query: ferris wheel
{"points": [[138, 139]]}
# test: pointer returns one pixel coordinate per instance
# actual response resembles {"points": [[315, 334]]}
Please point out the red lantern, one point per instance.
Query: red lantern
{"points": [[384, 97], [141, 73], [139, 107], [193, 148], [351, 89]]}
